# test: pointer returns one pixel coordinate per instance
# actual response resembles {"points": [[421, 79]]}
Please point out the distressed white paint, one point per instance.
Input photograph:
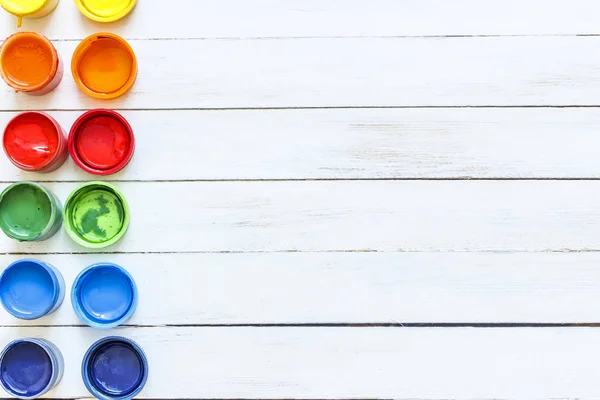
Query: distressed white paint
{"points": [[351, 144], [496, 71], [301, 288], [351, 215], [314, 18], [333, 363]]}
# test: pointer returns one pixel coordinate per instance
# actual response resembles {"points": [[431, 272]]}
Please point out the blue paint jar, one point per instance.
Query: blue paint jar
{"points": [[30, 289], [104, 295], [30, 367], [114, 368]]}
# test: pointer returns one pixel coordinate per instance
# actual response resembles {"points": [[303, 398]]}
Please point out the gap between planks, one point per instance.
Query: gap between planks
{"points": [[343, 107], [443, 325], [275, 180], [234, 38]]}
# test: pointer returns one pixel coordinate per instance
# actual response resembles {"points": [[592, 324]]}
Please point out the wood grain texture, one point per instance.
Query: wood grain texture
{"points": [[351, 72], [350, 144], [342, 288], [310, 18], [309, 103], [351, 216], [333, 363]]}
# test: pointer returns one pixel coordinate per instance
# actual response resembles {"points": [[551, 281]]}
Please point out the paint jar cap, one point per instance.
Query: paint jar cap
{"points": [[104, 66], [114, 368], [29, 289], [101, 142], [96, 215], [22, 8], [28, 61], [104, 295], [105, 10], [32, 140]]}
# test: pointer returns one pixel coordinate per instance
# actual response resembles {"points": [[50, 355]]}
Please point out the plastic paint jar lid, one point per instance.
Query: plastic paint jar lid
{"points": [[101, 142], [29, 212], [29, 8], [30, 367], [105, 10], [34, 141], [104, 66], [114, 368], [29, 63], [104, 295], [96, 215], [30, 289]]}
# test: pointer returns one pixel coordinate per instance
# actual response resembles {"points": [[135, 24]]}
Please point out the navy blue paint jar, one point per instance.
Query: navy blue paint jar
{"points": [[114, 368], [30, 289], [104, 295], [30, 367]]}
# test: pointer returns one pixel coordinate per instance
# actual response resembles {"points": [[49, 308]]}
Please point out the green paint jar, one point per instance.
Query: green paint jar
{"points": [[29, 212], [96, 215]]}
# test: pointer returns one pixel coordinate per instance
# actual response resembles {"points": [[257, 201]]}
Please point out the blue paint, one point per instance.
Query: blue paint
{"points": [[114, 368], [104, 295], [30, 289], [30, 367]]}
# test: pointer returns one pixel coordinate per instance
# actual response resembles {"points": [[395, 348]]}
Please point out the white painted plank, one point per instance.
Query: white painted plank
{"points": [[496, 71], [351, 144], [306, 288], [332, 363], [351, 215], [302, 18]]}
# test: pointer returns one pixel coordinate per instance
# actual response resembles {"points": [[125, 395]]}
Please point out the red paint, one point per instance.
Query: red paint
{"points": [[34, 141], [101, 142]]}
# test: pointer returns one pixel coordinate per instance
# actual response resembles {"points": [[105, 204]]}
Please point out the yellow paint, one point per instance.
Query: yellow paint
{"points": [[105, 10], [29, 8]]}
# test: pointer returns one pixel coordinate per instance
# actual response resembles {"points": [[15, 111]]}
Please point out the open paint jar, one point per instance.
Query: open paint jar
{"points": [[101, 142], [96, 215], [104, 66], [104, 295], [114, 368], [34, 141], [105, 10], [29, 8], [29, 63], [30, 367], [31, 289], [29, 212]]}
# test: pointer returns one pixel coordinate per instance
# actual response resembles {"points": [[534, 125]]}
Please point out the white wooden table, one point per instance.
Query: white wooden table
{"points": [[389, 198]]}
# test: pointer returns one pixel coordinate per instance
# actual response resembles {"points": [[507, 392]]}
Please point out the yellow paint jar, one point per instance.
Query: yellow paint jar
{"points": [[29, 8], [105, 10]]}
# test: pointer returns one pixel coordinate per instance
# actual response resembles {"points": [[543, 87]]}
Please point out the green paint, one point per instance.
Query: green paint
{"points": [[27, 212], [96, 215]]}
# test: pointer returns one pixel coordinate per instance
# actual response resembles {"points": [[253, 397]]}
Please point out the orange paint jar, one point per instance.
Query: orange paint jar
{"points": [[104, 66], [29, 63]]}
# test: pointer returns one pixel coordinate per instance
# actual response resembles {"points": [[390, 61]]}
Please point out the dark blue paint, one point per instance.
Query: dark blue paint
{"points": [[104, 295], [28, 289], [26, 369], [115, 368]]}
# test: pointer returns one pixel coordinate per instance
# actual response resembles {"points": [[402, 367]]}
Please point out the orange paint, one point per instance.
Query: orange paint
{"points": [[30, 63], [104, 66]]}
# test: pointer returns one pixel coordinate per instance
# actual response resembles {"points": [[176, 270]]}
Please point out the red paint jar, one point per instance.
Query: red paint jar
{"points": [[34, 141], [101, 142]]}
